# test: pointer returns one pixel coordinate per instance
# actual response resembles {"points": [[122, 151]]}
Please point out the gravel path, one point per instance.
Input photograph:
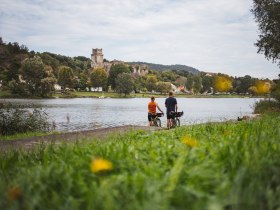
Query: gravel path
{"points": [[102, 133]]}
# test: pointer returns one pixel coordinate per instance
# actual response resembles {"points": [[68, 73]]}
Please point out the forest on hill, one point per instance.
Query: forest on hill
{"points": [[27, 73], [160, 67]]}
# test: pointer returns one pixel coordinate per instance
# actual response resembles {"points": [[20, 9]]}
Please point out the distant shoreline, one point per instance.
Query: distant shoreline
{"points": [[7, 95]]}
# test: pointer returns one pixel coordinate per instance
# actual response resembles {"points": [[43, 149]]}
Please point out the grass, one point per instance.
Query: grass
{"points": [[25, 135], [5, 94], [209, 166]]}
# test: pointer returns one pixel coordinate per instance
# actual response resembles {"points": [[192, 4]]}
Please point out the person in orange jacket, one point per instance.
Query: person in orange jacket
{"points": [[152, 110]]}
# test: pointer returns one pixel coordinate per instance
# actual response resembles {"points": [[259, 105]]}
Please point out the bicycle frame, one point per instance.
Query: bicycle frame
{"points": [[176, 121], [156, 120]]}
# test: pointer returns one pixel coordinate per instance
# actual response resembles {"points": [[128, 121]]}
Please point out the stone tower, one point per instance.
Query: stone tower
{"points": [[97, 58]]}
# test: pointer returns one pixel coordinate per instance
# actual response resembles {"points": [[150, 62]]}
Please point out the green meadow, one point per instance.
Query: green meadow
{"points": [[215, 166]]}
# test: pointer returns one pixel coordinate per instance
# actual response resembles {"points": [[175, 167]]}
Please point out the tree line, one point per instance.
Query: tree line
{"points": [[28, 73]]}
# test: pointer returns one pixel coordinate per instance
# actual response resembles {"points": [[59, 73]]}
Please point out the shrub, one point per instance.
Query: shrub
{"points": [[263, 106], [17, 88], [19, 119]]}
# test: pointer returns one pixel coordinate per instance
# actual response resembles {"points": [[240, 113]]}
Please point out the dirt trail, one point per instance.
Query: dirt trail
{"points": [[102, 133]]}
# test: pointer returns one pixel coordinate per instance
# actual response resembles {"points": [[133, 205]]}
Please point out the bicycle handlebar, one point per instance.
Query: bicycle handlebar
{"points": [[159, 114], [177, 114]]}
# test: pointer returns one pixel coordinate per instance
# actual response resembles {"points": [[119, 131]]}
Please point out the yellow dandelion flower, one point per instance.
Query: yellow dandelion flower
{"points": [[226, 133], [100, 165], [191, 142], [15, 193]]}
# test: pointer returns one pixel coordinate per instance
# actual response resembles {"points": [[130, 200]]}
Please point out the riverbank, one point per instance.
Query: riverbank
{"points": [[208, 166]]}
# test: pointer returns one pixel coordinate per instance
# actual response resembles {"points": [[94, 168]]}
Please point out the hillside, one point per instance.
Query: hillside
{"points": [[161, 67]]}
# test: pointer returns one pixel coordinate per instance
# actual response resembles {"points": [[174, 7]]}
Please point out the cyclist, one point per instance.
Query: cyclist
{"points": [[171, 109], [152, 110]]}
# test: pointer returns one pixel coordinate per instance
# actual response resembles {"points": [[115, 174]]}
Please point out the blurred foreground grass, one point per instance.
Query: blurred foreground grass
{"points": [[210, 166]]}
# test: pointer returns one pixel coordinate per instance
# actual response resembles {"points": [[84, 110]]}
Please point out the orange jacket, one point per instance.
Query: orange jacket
{"points": [[152, 107]]}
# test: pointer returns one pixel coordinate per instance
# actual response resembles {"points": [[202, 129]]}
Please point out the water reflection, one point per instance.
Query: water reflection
{"points": [[88, 113]]}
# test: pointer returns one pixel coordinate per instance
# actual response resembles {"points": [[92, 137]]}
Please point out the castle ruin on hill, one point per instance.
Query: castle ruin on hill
{"points": [[98, 61]]}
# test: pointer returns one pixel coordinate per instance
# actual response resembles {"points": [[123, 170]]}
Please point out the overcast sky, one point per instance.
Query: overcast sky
{"points": [[210, 35]]}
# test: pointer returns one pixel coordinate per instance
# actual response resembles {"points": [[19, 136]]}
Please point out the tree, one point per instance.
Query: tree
{"points": [[207, 84], [36, 77], [33, 72], [82, 83], [197, 85], [48, 85], [190, 82], [48, 81], [242, 84], [13, 69], [261, 87], [17, 88], [163, 87], [267, 16], [65, 77], [11, 58], [168, 76], [114, 71], [222, 83], [124, 83], [50, 61], [181, 81], [276, 90], [98, 78], [194, 83], [139, 84], [151, 82]]}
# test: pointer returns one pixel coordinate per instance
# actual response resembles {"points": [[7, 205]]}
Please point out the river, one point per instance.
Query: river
{"points": [[91, 113]]}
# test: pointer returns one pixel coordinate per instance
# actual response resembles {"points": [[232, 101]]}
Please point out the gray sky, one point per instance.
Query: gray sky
{"points": [[210, 35]]}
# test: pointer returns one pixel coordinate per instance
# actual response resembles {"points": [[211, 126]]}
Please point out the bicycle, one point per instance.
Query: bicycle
{"points": [[176, 121], [156, 119]]}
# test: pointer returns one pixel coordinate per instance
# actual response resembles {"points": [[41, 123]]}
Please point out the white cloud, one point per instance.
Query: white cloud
{"points": [[211, 35]]}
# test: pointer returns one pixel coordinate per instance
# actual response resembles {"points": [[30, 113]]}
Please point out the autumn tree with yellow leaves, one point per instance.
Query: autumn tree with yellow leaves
{"points": [[222, 83], [261, 87]]}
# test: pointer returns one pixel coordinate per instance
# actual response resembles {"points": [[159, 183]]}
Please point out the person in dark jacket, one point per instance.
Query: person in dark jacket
{"points": [[171, 109]]}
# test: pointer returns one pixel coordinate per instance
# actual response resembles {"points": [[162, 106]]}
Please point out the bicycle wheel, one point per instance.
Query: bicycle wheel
{"points": [[158, 122], [173, 123], [177, 122]]}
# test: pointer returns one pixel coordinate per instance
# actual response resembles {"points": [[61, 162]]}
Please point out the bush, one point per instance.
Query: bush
{"points": [[263, 106], [17, 88], [19, 119]]}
